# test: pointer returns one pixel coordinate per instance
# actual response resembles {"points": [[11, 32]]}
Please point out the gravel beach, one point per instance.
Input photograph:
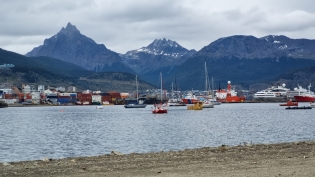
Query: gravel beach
{"points": [[284, 159]]}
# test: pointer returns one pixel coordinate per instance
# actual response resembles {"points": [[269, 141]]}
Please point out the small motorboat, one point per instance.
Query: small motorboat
{"points": [[196, 106], [99, 107], [159, 109], [290, 103], [312, 104], [208, 104], [301, 107]]}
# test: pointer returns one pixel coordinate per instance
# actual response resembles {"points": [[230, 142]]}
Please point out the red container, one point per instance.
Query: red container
{"points": [[42, 96], [107, 98], [28, 96], [115, 94], [7, 96]]}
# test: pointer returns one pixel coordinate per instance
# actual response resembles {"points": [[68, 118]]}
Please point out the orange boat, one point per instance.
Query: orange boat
{"points": [[290, 103], [229, 95]]}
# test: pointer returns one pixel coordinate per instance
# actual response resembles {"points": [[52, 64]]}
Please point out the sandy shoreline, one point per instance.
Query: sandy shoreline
{"points": [[284, 159]]}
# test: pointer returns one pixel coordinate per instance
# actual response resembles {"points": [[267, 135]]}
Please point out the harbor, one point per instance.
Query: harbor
{"points": [[41, 95]]}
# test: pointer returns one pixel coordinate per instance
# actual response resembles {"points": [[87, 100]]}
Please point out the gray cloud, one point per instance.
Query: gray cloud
{"points": [[123, 25]]}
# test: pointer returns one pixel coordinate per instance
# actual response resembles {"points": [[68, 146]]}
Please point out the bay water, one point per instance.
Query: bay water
{"points": [[34, 133]]}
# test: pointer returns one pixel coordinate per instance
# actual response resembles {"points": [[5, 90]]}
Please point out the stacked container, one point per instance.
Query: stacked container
{"points": [[106, 98]]}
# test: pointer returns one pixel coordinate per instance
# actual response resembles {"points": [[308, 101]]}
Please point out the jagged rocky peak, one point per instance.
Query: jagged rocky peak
{"points": [[69, 29], [162, 47], [163, 43]]}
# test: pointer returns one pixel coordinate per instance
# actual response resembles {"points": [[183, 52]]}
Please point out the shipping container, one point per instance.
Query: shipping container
{"points": [[105, 94], [64, 97], [28, 96], [73, 95], [64, 94], [107, 98], [63, 100], [114, 94], [97, 98], [124, 95], [7, 96], [83, 99]]}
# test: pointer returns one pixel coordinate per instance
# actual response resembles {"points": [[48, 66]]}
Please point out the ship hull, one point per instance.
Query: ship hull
{"points": [[190, 101], [273, 99], [304, 98], [232, 99]]}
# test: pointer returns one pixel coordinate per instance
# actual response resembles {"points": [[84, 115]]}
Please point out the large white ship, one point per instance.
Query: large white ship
{"points": [[272, 94]]}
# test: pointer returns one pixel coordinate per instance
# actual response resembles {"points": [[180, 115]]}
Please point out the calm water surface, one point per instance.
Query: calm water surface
{"points": [[32, 133]]}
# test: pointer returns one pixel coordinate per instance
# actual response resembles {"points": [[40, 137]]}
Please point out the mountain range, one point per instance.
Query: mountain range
{"points": [[245, 60], [54, 72], [160, 56]]}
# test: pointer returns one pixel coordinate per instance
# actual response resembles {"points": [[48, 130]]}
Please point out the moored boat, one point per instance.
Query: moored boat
{"points": [[196, 106], [312, 104], [159, 109], [138, 103], [301, 107], [290, 103], [207, 104], [229, 95], [190, 98], [99, 107], [272, 94], [308, 96], [175, 102]]}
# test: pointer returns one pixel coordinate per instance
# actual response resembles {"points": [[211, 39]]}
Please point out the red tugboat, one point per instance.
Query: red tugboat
{"points": [[290, 103], [229, 95]]}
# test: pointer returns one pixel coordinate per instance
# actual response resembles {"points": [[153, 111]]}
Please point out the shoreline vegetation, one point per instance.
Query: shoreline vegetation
{"points": [[281, 159]]}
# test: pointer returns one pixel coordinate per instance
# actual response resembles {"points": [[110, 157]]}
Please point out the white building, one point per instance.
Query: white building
{"points": [[61, 89], [72, 89], [41, 88]]}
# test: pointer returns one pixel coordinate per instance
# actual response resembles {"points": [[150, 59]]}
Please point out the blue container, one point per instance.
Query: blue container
{"points": [[63, 100]]}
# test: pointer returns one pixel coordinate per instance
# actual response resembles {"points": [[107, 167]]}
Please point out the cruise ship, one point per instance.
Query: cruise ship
{"points": [[272, 94], [305, 95]]}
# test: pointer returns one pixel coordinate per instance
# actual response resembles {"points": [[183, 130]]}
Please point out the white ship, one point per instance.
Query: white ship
{"points": [[298, 91], [272, 94]]}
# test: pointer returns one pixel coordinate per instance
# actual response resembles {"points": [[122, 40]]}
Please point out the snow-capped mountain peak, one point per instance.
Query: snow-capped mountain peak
{"points": [[162, 47]]}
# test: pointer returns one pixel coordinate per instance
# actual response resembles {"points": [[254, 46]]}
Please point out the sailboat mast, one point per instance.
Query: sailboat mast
{"points": [[137, 86], [212, 87], [206, 84], [172, 90], [161, 86]]}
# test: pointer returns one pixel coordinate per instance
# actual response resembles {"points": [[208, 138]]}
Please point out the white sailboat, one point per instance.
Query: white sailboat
{"points": [[213, 99], [136, 104], [207, 103]]}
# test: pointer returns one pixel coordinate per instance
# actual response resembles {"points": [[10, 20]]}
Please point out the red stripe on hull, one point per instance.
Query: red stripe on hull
{"points": [[304, 98]]}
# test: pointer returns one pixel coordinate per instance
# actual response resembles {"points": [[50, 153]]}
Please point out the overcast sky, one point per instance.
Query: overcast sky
{"points": [[123, 25]]}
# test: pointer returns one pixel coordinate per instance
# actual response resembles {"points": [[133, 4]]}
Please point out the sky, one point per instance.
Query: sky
{"points": [[124, 25]]}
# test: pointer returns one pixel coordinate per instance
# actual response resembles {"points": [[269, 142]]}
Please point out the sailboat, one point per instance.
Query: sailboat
{"points": [[136, 104], [173, 101], [214, 99], [207, 103], [160, 108]]}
